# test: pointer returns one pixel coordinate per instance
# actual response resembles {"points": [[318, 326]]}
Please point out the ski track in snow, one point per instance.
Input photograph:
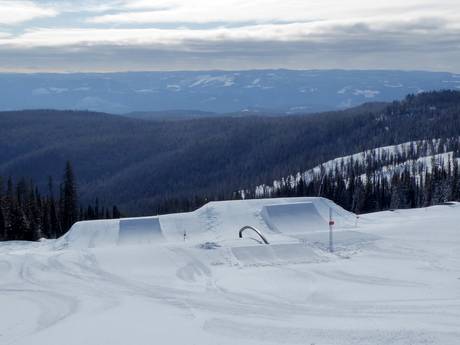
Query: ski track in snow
{"points": [[402, 288]]}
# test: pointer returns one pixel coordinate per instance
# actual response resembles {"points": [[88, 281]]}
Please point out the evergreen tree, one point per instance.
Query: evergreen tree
{"points": [[115, 212], [3, 234], [69, 195], [455, 181]]}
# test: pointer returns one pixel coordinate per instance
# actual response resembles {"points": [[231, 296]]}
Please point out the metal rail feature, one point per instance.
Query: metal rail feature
{"points": [[253, 229]]}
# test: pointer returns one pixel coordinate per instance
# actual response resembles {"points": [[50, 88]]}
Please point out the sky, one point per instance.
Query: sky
{"points": [[122, 35]]}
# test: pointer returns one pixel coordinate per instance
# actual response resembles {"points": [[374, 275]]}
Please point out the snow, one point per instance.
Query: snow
{"points": [[174, 87], [139, 231], [206, 80], [358, 92], [146, 91], [437, 153], [302, 217], [390, 85], [49, 90], [366, 93], [82, 88], [344, 90], [393, 279], [309, 90], [254, 83]]}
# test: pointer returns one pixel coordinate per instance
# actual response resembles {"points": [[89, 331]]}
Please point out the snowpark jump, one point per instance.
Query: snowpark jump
{"points": [[394, 278], [279, 219]]}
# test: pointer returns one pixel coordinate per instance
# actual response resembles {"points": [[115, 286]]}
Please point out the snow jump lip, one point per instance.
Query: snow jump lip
{"points": [[294, 218], [139, 230]]}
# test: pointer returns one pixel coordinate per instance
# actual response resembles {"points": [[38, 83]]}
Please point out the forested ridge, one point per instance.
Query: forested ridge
{"points": [[149, 167], [413, 174]]}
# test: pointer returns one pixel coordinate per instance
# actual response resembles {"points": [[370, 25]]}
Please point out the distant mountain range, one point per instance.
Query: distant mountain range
{"points": [[256, 91]]}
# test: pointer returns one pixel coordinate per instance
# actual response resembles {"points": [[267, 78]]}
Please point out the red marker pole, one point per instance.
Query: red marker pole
{"points": [[331, 224]]}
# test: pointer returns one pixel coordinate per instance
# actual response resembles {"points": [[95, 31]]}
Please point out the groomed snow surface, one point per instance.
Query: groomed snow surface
{"points": [[394, 278]]}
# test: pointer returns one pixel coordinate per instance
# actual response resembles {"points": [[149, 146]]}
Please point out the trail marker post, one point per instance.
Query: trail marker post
{"points": [[331, 224]]}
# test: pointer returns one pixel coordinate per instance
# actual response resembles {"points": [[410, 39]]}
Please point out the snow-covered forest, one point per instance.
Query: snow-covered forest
{"points": [[408, 175]]}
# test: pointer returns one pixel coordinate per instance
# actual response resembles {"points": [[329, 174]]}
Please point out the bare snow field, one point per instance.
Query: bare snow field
{"points": [[394, 278]]}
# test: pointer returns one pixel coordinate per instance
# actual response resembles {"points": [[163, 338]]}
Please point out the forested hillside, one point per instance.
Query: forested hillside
{"points": [[413, 174], [143, 165]]}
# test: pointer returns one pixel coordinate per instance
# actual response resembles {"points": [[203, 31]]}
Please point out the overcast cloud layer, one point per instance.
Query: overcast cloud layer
{"points": [[115, 35]]}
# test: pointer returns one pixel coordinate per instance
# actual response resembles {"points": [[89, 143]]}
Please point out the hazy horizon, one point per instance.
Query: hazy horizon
{"points": [[232, 70]]}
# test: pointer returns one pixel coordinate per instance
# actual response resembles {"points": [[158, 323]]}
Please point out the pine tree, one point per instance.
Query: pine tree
{"points": [[3, 235], [455, 181], [69, 195], [115, 213], [20, 225], [55, 227]]}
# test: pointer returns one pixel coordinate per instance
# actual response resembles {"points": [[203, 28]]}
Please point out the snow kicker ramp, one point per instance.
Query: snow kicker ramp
{"points": [[296, 218], [128, 231], [278, 219], [139, 230]]}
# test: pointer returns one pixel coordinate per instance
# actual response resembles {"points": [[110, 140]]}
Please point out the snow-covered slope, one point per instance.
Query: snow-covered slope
{"points": [[393, 279], [216, 91], [417, 157]]}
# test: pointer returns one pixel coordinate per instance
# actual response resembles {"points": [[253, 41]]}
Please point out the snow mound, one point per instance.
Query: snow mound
{"points": [[280, 220]]}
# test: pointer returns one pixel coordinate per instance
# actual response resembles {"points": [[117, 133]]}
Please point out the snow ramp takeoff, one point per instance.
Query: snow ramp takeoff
{"points": [[304, 217], [127, 231], [139, 230], [294, 218]]}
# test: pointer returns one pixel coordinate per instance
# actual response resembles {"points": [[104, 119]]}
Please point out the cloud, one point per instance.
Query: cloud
{"points": [[160, 37], [147, 4], [269, 11], [85, 6], [324, 33], [15, 12], [203, 11], [234, 34]]}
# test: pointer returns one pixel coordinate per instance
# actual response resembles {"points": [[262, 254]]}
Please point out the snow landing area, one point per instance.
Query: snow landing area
{"points": [[394, 278]]}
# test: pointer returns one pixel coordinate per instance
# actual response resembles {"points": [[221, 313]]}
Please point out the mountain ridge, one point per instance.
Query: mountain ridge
{"points": [[279, 91]]}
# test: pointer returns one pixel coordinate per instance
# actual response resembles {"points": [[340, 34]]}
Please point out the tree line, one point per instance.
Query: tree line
{"points": [[27, 214]]}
